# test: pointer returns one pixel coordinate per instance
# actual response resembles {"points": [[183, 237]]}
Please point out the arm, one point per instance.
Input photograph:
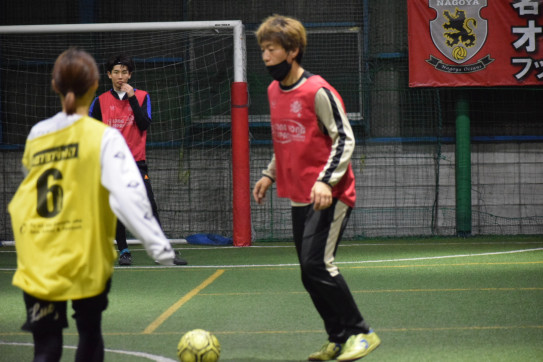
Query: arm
{"points": [[94, 110], [335, 123], [262, 185], [128, 197], [142, 115]]}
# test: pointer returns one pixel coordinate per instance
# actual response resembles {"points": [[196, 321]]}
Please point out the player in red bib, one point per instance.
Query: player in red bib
{"points": [[128, 110], [313, 143]]}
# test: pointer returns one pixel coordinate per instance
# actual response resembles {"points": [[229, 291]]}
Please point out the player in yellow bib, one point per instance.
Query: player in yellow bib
{"points": [[79, 175]]}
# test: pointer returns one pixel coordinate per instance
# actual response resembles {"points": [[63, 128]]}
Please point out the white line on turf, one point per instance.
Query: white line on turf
{"points": [[345, 262], [188, 246], [148, 356], [337, 262]]}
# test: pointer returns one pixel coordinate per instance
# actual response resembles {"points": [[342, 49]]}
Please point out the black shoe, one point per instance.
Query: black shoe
{"points": [[125, 259], [178, 260]]}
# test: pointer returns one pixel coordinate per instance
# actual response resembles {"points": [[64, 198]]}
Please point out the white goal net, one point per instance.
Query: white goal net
{"points": [[186, 67]]}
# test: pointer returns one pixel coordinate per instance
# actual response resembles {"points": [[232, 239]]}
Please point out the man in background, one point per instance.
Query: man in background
{"points": [[129, 110]]}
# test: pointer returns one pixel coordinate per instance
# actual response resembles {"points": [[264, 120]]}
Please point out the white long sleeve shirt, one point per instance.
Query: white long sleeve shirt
{"points": [[127, 194]]}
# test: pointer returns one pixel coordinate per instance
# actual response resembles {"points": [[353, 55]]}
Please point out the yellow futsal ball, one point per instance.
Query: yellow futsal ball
{"points": [[198, 345], [459, 53]]}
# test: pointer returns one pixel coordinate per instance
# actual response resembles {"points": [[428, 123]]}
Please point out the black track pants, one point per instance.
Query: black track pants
{"points": [[316, 236]]}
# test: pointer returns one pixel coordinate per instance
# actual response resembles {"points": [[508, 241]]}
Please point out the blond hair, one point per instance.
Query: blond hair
{"points": [[284, 30]]}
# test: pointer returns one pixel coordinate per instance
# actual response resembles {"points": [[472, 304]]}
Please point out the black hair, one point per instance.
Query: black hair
{"points": [[122, 60]]}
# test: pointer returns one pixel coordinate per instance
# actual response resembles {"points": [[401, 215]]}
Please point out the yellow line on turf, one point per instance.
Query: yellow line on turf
{"points": [[439, 265], [528, 289], [168, 313], [308, 331]]}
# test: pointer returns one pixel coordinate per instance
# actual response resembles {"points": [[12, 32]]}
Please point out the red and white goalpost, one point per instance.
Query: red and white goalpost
{"points": [[240, 143], [239, 126]]}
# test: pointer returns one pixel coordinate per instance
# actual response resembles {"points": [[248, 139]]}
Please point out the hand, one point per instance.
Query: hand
{"points": [[128, 89], [321, 195], [261, 186]]}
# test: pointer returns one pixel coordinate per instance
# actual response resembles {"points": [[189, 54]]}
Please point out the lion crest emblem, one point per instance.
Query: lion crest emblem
{"points": [[458, 30]]}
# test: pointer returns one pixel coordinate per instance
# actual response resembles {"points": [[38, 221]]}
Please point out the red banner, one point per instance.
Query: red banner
{"points": [[475, 43]]}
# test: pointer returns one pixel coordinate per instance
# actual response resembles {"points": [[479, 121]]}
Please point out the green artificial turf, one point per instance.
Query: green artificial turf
{"points": [[436, 299]]}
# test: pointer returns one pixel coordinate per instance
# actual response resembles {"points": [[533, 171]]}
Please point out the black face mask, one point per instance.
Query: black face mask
{"points": [[279, 71]]}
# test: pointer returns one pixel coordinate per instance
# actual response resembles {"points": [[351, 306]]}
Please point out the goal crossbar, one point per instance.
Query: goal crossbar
{"points": [[237, 27]]}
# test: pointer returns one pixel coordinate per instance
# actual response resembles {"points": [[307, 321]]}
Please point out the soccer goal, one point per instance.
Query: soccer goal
{"points": [[198, 143]]}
